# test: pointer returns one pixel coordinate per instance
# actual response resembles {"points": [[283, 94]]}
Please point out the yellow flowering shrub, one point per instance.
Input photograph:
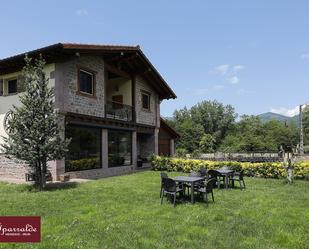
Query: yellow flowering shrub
{"points": [[265, 169]]}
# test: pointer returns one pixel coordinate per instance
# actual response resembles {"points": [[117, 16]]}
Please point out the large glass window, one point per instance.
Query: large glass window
{"points": [[119, 148], [12, 86], [84, 149]]}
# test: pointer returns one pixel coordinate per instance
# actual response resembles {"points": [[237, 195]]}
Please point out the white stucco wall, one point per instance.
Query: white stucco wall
{"points": [[6, 102], [124, 88]]}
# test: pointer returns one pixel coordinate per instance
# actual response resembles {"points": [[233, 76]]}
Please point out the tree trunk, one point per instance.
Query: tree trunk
{"points": [[44, 171], [40, 177], [37, 175]]}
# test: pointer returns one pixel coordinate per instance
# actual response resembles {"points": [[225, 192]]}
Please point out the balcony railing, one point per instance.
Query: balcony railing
{"points": [[119, 111]]}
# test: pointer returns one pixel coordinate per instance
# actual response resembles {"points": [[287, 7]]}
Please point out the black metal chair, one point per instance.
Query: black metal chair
{"points": [[163, 175], [170, 188], [203, 172], [208, 189], [195, 174], [238, 177], [214, 174]]}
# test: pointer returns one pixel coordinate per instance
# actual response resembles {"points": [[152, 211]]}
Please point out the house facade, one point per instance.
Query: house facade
{"points": [[109, 101]]}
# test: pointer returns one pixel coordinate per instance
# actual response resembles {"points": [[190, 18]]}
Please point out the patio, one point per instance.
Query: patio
{"points": [[125, 212]]}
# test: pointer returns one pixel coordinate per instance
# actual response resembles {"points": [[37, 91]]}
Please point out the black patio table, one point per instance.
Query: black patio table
{"points": [[227, 173], [191, 180]]}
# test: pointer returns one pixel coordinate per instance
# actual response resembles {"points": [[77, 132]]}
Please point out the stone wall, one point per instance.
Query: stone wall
{"points": [[302, 158], [67, 99], [102, 172], [16, 169], [12, 168], [144, 116]]}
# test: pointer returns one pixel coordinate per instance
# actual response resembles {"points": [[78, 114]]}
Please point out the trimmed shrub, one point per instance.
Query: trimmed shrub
{"points": [[265, 170], [83, 164]]}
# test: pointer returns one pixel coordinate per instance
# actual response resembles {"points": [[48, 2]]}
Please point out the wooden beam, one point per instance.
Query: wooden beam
{"points": [[116, 70]]}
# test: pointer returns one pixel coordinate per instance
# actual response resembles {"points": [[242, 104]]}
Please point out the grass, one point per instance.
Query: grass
{"points": [[125, 212]]}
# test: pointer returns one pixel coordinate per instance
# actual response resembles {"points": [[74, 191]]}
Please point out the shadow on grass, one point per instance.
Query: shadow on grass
{"points": [[53, 186]]}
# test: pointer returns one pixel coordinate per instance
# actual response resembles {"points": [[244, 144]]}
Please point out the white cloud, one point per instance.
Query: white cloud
{"points": [[222, 69], [233, 80], [230, 72], [237, 68], [81, 12], [305, 56], [285, 111]]}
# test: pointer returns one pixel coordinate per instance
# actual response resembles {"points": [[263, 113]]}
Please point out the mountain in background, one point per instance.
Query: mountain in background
{"points": [[265, 117]]}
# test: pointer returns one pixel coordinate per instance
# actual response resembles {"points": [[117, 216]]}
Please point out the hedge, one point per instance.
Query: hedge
{"points": [[265, 170], [83, 164]]}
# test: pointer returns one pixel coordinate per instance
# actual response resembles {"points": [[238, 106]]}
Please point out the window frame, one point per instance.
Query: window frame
{"points": [[89, 72], [100, 146], [149, 96]]}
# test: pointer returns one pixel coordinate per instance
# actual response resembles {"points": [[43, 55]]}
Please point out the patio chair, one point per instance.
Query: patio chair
{"points": [[238, 177], [195, 174], [163, 175], [208, 189], [170, 188], [214, 174], [203, 172]]}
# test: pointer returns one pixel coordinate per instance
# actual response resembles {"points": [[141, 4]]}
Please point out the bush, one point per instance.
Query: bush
{"points": [[83, 164], [306, 149], [265, 169], [180, 152]]}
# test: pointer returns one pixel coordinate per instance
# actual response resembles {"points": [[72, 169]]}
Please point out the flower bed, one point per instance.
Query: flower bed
{"points": [[265, 170]]}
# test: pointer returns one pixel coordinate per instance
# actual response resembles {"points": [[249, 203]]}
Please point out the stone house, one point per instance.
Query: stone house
{"points": [[109, 100]]}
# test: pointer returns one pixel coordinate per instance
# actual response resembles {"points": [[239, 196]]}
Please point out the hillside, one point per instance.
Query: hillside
{"points": [[265, 117]]}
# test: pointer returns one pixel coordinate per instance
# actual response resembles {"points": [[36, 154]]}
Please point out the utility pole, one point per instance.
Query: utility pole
{"points": [[301, 141]]}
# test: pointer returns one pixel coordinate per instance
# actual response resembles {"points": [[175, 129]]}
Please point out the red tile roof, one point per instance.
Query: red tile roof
{"points": [[56, 51]]}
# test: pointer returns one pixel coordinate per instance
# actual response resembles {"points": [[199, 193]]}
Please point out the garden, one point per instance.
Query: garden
{"points": [[125, 212]]}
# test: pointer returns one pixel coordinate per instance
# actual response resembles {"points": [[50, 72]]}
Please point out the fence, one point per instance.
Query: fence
{"points": [[242, 157]]}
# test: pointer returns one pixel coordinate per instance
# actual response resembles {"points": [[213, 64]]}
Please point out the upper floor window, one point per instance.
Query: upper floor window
{"points": [[146, 100], [12, 86], [8, 87], [86, 82]]}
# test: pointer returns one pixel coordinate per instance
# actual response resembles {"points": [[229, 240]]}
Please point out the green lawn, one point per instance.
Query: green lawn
{"points": [[125, 212]]}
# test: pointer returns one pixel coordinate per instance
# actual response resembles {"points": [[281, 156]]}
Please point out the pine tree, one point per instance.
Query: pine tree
{"points": [[34, 126]]}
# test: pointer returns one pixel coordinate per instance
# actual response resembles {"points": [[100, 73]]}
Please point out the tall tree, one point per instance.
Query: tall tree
{"points": [[216, 118], [251, 135], [306, 125], [34, 126], [191, 135]]}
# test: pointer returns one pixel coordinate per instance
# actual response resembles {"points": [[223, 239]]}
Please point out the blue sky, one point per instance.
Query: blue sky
{"points": [[253, 55]]}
